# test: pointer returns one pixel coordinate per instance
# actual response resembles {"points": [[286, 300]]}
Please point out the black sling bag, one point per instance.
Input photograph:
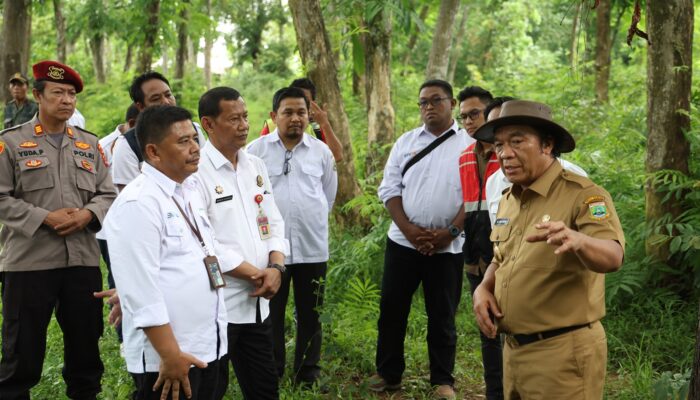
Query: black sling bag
{"points": [[437, 142]]}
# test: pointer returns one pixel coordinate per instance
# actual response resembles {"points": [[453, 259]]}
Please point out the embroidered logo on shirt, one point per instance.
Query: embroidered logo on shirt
{"points": [[102, 153], [82, 145], [69, 132], [38, 130], [597, 208], [28, 144], [86, 165], [218, 189], [2, 147], [33, 163]]}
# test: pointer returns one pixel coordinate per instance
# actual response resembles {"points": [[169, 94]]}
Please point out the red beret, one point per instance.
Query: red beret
{"points": [[54, 71]]}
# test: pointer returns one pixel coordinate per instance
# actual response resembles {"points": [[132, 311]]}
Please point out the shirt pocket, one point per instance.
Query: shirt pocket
{"points": [[35, 174], [175, 231], [312, 179], [85, 175]]}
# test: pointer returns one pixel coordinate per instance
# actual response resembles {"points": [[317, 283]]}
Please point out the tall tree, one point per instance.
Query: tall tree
{"points": [[182, 31], [669, 73], [151, 32], [573, 48], [97, 21], [456, 51], [14, 54], [60, 22], [317, 56], [603, 45], [380, 111], [208, 45], [442, 39], [413, 39]]}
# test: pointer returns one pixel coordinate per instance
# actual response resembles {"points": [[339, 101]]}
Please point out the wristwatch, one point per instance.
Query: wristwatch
{"points": [[454, 230], [281, 268]]}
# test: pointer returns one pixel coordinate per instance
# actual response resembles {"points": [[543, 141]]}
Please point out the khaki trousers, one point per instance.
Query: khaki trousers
{"points": [[570, 366]]}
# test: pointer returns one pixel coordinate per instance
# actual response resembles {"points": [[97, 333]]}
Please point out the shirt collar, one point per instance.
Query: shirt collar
{"points": [[217, 159], [454, 127], [542, 185], [166, 184], [275, 137]]}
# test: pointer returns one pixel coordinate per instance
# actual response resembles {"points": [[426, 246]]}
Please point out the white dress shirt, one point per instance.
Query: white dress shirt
{"points": [[77, 119], [107, 142], [125, 163], [305, 195], [497, 183], [159, 270], [229, 195], [431, 192]]}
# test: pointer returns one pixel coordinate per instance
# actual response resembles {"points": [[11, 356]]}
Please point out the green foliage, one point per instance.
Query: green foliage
{"points": [[670, 386]]}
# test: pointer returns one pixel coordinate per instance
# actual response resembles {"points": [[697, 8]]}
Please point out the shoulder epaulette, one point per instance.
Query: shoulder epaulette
{"points": [[576, 178], [4, 131], [84, 130]]}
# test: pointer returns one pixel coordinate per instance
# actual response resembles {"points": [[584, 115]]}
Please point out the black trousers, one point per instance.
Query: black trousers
{"points": [[491, 354], [29, 299], [250, 350], [308, 298], [206, 383], [441, 276]]}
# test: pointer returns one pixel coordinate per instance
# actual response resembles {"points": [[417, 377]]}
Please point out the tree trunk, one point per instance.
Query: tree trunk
{"points": [[128, 57], [603, 45], [208, 44], [60, 21], [413, 39], [442, 39], [669, 72], [380, 112], [16, 18], [151, 32], [181, 55], [457, 45], [317, 57], [573, 51], [97, 48]]}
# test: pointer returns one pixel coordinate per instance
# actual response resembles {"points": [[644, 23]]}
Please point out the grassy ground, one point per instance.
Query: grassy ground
{"points": [[652, 336]]}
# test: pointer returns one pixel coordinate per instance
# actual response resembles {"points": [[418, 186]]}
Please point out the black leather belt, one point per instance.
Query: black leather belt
{"points": [[522, 340]]}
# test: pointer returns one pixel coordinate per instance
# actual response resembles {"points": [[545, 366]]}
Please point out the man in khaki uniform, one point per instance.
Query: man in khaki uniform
{"points": [[55, 190], [556, 234], [20, 109]]}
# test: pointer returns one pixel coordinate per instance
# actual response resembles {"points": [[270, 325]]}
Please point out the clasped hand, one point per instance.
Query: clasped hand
{"points": [[66, 221]]}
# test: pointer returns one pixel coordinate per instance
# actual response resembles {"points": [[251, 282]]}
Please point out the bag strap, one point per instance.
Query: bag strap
{"points": [[437, 142]]}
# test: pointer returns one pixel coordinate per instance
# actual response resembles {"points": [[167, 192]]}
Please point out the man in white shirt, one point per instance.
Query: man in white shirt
{"points": [[304, 179], [421, 190], [148, 89], [238, 197], [174, 314]]}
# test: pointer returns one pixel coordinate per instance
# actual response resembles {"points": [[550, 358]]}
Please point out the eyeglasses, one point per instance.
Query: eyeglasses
{"points": [[435, 101], [287, 166], [473, 114]]}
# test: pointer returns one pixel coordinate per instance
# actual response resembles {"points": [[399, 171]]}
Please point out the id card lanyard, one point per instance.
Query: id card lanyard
{"points": [[211, 263]]}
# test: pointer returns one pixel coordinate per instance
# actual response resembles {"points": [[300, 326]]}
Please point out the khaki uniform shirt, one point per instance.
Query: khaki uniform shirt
{"points": [[536, 289], [36, 177], [17, 115]]}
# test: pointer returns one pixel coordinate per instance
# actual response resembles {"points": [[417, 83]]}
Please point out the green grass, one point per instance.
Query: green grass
{"points": [[648, 335]]}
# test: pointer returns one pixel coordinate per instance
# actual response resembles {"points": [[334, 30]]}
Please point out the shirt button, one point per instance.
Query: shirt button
{"points": [[518, 232], [505, 284], [512, 258], [523, 206]]}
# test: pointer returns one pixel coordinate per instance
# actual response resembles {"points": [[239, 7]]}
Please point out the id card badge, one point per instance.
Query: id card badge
{"points": [[263, 226], [216, 277]]}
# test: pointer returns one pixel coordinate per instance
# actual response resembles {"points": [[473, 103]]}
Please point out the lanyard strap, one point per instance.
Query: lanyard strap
{"points": [[195, 227]]}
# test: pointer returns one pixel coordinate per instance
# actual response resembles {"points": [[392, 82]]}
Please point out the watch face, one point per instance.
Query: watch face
{"points": [[454, 231]]}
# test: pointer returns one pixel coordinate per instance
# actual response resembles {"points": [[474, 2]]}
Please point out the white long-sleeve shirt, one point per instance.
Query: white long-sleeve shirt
{"points": [[305, 194], [158, 266], [431, 192], [229, 196]]}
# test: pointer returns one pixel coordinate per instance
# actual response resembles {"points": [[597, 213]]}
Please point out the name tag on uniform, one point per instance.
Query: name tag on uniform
{"points": [[263, 226], [501, 221], [216, 277], [225, 198]]}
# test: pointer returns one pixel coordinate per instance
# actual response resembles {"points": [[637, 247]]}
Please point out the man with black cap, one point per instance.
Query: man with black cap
{"points": [[55, 190], [556, 234], [20, 109]]}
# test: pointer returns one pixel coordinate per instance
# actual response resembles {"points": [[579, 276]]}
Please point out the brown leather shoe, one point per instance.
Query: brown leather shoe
{"points": [[444, 392], [376, 383]]}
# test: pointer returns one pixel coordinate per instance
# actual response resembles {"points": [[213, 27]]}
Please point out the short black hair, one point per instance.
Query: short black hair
{"points": [[132, 112], [496, 102], [286, 93], [135, 90], [209, 102], [484, 96], [39, 85], [439, 83], [154, 124], [305, 83]]}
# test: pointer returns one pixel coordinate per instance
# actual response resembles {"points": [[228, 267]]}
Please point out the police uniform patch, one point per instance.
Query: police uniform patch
{"points": [[2, 147], [28, 144], [38, 130], [33, 163], [102, 154], [82, 145], [56, 72], [86, 165], [69, 132]]}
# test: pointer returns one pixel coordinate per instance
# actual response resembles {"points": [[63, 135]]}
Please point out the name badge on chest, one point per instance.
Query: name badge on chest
{"points": [[262, 221]]}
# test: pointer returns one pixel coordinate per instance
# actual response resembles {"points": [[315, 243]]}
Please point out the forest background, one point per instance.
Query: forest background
{"points": [[633, 109]]}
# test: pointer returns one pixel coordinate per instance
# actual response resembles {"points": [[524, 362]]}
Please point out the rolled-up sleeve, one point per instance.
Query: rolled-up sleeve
{"points": [[133, 233], [391, 182]]}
